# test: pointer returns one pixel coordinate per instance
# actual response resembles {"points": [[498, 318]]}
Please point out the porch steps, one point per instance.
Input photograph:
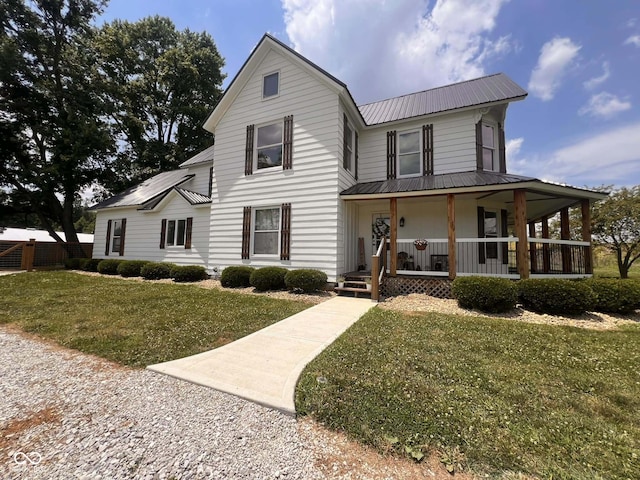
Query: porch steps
{"points": [[355, 287]]}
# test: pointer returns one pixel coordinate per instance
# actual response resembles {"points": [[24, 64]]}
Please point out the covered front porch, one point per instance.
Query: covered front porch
{"points": [[493, 225]]}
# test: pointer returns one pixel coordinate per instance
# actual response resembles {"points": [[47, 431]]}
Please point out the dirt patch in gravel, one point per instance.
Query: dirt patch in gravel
{"points": [[423, 303]]}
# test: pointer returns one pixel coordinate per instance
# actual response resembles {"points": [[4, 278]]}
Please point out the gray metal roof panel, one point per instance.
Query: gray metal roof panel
{"points": [[145, 191], [489, 89], [194, 198], [204, 156], [435, 182]]}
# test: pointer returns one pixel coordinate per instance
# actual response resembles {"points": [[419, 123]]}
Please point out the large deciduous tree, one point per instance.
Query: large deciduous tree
{"points": [[161, 84], [616, 223], [54, 142]]}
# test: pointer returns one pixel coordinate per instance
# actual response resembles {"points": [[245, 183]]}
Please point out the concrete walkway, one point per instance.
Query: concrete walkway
{"points": [[264, 367]]}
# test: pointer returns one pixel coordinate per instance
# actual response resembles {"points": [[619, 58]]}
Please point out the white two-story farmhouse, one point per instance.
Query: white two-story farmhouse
{"points": [[302, 177]]}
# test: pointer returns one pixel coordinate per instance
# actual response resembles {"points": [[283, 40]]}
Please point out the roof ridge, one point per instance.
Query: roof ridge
{"points": [[432, 89]]}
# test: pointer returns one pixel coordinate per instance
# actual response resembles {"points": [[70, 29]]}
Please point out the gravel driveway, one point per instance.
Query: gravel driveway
{"points": [[89, 419]]}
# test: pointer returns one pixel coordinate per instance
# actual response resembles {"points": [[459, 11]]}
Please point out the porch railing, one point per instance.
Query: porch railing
{"points": [[378, 268], [492, 257]]}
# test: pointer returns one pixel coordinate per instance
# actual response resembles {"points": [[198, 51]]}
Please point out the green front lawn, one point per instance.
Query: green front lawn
{"points": [[492, 395], [133, 323]]}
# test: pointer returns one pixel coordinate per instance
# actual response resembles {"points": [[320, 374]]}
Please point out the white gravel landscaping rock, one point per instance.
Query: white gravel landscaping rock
{"points": [[90, 419]]}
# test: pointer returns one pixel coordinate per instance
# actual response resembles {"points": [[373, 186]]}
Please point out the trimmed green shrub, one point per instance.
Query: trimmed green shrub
{"points": [[236, 276], [156, 270], [268, 278], [188, 273], [109, 266], [305, 280], [82, 263], [91, 265], [72, 263], [487, 294], [615, 295], [131, 268], [556, 296]]}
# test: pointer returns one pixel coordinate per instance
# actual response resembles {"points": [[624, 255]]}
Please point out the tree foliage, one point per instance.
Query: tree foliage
{"points": [[161, 85], [616, 223], [54, 142]]}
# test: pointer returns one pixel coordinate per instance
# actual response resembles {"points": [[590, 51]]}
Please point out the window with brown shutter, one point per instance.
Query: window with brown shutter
{"points": [[287, 161], [481, 253], [210, 190], [188, 233], [246, 232], [427, 149], [479, 160], [502, 150], [123, 228], [504, 234], [356, 157], [248, 158], [163, 232], [391, 154], [107, 243], [285, 232]]}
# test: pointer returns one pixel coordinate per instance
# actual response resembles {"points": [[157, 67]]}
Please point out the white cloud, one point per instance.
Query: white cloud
{"points": [[595, 81], [382, 48], [556, 57], [515, 163], [633, 40], [610, 157], [604, 105]]}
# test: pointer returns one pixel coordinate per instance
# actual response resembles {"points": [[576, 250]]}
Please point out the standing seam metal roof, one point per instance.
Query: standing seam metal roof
{"points": [[489, 89], [202, 157]]}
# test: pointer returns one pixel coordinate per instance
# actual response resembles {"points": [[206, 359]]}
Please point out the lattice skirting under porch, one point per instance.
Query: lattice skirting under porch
{"points": [[435, 287]]}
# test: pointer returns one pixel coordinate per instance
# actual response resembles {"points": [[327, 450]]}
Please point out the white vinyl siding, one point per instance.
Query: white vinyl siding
{"points": [[311, 186], [454, 145]]}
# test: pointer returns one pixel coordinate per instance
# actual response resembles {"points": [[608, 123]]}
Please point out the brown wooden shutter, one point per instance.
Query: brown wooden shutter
{"points": [[391, 154], [108, 240], [504, 233], [479, 163], [427, 149], [210, 181], [285, 232], [502, 150], [344, 142], [163, 232], [123, 229], [356, 156], [287, 154], [481, 251], [246, 232], [248, 156], [187, 235]]}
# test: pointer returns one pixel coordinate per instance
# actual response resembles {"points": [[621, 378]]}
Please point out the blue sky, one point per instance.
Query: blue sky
{"points": [[578, 59]]}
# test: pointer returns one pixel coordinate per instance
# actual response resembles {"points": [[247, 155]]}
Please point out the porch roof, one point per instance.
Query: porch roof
{"points": [[549, 197]]}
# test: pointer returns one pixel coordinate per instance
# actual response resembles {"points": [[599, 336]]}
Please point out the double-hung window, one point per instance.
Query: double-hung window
{"points": [[269, 145], [176, 230], [409, 163], [116, 237], [266, 231], [491, 231], [348, 146], [271, 85], [489, 156]]}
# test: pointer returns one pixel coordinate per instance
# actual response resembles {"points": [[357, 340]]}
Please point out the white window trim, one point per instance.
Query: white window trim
{"points": [[256, 169], [112, 248], [420, 149], [254, 212], [496, 161], [262, 85], [175, 234]]}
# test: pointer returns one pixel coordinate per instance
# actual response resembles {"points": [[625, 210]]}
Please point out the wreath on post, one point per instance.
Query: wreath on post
{"points": [[380, 228]]}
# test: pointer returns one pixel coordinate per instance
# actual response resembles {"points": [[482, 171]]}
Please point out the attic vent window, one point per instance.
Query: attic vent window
{"points": [[271, 85]]}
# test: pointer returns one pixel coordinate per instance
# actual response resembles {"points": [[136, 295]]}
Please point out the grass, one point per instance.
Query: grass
{"points": [[133, 323], [493, 395]]}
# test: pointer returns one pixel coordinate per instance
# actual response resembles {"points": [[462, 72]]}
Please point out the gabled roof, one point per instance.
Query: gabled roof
{"points": [[146, 191], [477, 92], [205, 156], [194, 198], [259, 52]]}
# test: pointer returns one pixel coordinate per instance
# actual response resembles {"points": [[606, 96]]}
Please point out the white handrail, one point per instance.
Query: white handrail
{"points": [[553, 241], [379, 252]]}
